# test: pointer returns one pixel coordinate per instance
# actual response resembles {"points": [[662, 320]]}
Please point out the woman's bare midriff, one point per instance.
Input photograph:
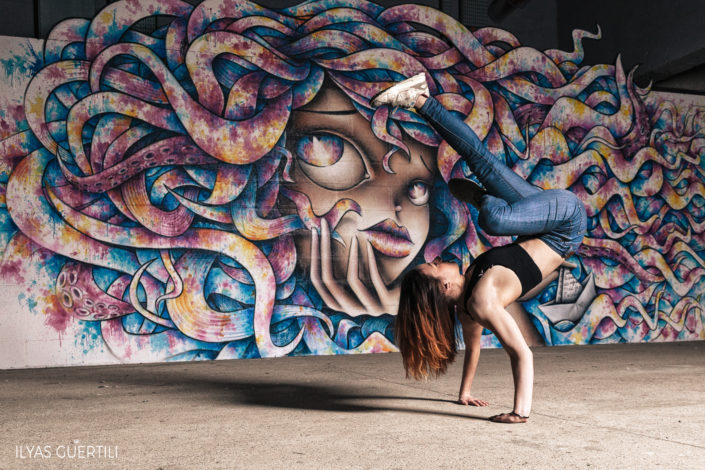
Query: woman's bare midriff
{"points": [[543, 255]]}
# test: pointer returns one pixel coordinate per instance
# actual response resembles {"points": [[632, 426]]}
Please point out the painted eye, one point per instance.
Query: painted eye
{"points": [[320, 150], [418, 193], [331, 161]]}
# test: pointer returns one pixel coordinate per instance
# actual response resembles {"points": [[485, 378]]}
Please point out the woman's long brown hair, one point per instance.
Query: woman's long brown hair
{"points": [[424, 329]]}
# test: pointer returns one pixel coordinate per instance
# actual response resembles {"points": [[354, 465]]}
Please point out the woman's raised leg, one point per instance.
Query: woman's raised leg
{"points": [[511, 206], [498, 179]]}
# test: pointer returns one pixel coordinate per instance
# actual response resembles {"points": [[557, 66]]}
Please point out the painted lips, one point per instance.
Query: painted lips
{"points": [[389, 239]]}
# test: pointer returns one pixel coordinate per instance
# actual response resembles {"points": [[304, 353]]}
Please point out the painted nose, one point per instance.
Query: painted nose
{"points": [[396, 202]]}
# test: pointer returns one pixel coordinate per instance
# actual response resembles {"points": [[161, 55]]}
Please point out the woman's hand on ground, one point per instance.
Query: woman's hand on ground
{"points": [[509, 418], [471, 401], [333, 292]]}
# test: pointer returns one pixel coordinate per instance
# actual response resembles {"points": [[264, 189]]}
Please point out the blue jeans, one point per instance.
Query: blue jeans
{"points": [[511, 206]]}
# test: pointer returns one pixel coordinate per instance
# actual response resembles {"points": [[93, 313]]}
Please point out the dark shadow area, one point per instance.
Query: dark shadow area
{"points": [[325, 398], [191, 385]]}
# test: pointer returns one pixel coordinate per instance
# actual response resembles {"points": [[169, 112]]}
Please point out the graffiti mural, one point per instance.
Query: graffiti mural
{"points": [[220, 187]]}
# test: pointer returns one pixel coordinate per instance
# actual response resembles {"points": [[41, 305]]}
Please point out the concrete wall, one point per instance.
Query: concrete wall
{"points": [[171, 195], [663, 37]]}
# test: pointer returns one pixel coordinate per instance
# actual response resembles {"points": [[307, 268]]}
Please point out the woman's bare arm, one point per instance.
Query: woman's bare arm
{"points": [[521, 359], [472, 334], [497, 288]]}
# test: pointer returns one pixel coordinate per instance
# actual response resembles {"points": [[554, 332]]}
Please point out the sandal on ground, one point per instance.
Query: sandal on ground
{"points": [[509, 418]]}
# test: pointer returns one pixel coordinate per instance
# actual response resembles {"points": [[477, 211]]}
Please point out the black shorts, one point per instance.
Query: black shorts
{"points": [[511, 256]]}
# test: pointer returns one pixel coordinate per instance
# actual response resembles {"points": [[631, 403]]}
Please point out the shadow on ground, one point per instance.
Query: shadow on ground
{"points": [[197, 386]]}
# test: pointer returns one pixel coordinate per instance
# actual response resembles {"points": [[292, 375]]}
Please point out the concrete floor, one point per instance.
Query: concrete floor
{"points": [[598, 407]]}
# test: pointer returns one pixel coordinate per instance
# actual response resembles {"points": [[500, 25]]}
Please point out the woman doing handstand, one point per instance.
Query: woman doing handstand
{"points": [[550, 225]]}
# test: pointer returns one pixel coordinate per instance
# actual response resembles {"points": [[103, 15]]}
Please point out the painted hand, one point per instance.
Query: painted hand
{"points": [[358, 300]]}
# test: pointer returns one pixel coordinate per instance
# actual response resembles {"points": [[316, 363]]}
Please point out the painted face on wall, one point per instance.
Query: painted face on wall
{"points": [[339, 157]]}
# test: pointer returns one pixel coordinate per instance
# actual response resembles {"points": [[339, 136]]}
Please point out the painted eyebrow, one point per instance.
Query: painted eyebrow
{"points": [[423, 162], [341, 112]]}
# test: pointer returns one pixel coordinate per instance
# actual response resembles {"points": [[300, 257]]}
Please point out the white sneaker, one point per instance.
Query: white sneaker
{"points": [[403, 94]]}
